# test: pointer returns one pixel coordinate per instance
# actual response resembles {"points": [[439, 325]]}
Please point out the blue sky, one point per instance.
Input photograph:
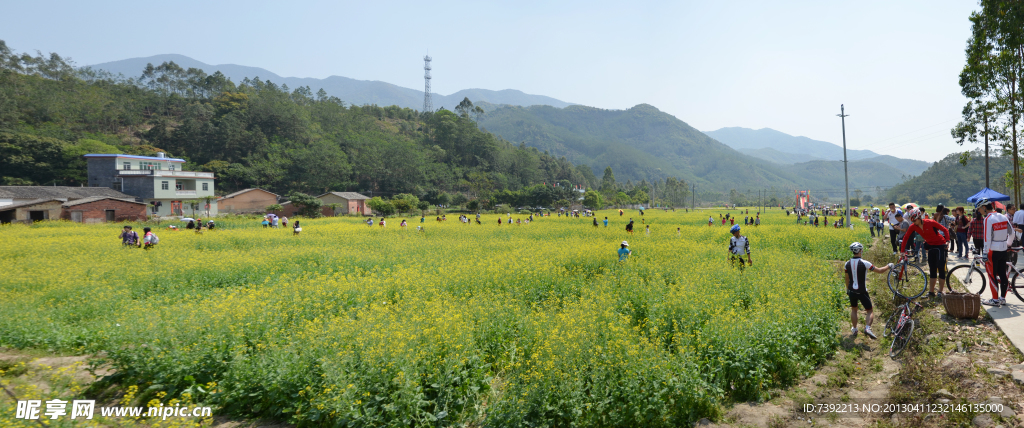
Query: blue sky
{"points": [[781, 65]]}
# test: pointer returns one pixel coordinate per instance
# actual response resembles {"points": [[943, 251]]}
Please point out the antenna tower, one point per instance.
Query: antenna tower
{"points": [[428, 105]]}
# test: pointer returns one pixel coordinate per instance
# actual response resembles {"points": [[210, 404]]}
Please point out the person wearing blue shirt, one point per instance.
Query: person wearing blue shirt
{"points": [[624, 251], [606, 222]]}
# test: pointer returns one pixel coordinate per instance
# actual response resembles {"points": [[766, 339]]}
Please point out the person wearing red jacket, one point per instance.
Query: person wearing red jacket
{"points": [[936, 236]]}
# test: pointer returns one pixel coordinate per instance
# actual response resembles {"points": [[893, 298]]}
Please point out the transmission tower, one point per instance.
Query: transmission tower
{"points": [[428, 105]]}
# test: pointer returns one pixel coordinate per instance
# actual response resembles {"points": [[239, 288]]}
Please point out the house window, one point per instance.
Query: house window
{"points": [[179, 186], [170, 167], [127, 166], [149, 166], [206, 187], [164, 185]]}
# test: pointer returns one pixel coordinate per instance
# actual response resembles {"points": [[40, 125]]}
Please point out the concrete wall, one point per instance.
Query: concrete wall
{"points": [[102, 171], [139, 186], [50, 209], [253, 201], [96, 212]]}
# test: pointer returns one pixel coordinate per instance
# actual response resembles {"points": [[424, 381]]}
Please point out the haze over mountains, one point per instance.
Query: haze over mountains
{"points": [[782, 148], [352, 91], [639, 143]]}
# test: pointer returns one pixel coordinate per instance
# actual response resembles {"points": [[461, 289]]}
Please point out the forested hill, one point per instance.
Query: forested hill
{"points": [[645, 143], [255, 134], [352, 91], [639, 143], [949, 182]]}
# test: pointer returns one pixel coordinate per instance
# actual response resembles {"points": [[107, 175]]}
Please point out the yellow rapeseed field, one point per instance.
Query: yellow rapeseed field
{"points": [[536, 324]]}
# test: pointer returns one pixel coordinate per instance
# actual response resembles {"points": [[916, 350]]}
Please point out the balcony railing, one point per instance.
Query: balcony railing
{"points": [[185, 192], [161, 173]]}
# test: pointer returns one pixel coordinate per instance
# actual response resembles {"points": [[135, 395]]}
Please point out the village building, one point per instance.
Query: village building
{"points": [[247, 201], [348, 202], [157, 181], [103, 209], [30, 211], [26, 204]]}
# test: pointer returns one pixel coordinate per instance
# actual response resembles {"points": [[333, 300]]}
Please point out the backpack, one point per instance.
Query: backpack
{"points": [[156, 240]]}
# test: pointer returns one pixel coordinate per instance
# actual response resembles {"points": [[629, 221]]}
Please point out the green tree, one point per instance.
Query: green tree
{"points": [[593, 200], [381, 206], [992, 78], [608, 185], [309, 206]]}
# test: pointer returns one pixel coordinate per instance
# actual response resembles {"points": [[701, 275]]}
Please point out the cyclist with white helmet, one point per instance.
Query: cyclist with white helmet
{"points": [[936, 237], [998, 232], [738, 246], [856, 287]]}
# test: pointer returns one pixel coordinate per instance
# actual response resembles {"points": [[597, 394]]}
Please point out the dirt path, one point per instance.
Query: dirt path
{"points": [[948, 361]]}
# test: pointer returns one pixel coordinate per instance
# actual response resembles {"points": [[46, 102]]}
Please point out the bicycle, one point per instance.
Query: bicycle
{"points": [[976, 275], [907, 280], [900, 326]]}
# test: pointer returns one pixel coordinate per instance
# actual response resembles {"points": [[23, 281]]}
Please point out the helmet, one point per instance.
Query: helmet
{"points": [[625, 243], [735, 228], [915, 214], [856, 247], [982, 201]]}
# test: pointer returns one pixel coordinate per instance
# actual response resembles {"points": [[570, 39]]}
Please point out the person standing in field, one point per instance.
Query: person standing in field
{"points": [[606, 221], [629, 227], [595, 221], [382, 223], [648, 230], [856, 288], [624, 251], [149, 240], [284, 221], [738, 246], [711, 220], [296, 228], [129, 238]]}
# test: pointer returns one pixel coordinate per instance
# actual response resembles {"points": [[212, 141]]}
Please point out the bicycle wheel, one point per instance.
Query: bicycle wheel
{"points": [[974, 280], [901, 338], [911, 284], [1013, 287], [890, 323]]}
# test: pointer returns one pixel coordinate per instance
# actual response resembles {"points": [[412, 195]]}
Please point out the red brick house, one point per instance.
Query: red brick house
{"points": [[103, 209]]}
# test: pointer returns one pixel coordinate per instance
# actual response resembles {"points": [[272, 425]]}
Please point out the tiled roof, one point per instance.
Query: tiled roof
{"points": [[27, 203], [58, 192], [98, 198], [243, 191], [345, 195]]}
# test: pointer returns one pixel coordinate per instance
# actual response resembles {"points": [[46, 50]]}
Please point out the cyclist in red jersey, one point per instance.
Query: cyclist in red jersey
{"points": [[936, 237]]}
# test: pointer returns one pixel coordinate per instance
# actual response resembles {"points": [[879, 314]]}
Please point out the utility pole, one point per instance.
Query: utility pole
{"points": [[846, 170], [985, 113]]}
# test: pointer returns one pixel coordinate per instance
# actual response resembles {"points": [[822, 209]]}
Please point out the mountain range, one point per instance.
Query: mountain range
{"points": [[639, 143], [644, 143], [785, 149], [352, 91]]}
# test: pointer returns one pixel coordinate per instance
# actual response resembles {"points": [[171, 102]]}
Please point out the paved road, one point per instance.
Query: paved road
{"points": [[1010, 317]]}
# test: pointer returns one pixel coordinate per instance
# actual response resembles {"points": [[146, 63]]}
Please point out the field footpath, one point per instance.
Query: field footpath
{"points": [[1009, 318], [947, 361]]}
